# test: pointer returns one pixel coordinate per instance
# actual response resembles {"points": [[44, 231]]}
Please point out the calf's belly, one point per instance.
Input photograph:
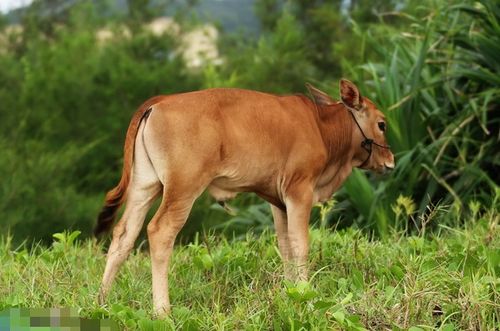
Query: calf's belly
{"points": [[224, 188]]}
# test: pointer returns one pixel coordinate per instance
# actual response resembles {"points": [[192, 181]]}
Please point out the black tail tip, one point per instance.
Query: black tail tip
{"points": [[105, 221], [100, 230]]}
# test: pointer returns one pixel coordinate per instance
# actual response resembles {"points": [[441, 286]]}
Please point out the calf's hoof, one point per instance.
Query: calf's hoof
{"points": [[101, 297], [162, 311]]}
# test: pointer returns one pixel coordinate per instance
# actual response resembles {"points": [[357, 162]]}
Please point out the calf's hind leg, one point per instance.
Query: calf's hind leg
{"points": [[125, 233], [281, 226], [143, 190], [162, 231]]}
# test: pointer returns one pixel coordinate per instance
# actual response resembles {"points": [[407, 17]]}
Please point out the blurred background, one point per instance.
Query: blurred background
{"points": [[73, 72]]}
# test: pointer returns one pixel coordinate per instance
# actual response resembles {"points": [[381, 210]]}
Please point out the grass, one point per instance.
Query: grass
{"points": [[445, 281]]}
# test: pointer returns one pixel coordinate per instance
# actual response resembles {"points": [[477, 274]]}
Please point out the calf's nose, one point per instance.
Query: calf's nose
{"points": [[389, 165]]}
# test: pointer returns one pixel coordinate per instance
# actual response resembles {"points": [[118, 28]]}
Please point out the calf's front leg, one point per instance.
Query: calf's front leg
{"points": [[298, 206]]}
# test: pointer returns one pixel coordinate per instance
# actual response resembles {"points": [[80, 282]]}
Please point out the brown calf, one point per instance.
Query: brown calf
{"points": [[290, 150]]}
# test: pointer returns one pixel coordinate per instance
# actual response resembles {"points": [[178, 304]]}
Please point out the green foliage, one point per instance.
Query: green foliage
{"points": [[446, 281], [439, 110], [256, 217], [67, 99], [330, 42], [36, 199], [278, 61]]}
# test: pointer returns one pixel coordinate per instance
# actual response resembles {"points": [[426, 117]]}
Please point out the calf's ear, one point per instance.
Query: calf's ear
{"points": [[349, 93], [320, 97]]}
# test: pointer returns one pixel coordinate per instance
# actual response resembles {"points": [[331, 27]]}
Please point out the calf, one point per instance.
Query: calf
{"points": [[290, 150]]}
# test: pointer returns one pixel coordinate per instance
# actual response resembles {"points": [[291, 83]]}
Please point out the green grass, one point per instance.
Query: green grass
{"points": [[446, 281]]}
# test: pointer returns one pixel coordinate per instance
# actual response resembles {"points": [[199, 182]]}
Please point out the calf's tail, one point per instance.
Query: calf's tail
{"points": [[115, 197]]}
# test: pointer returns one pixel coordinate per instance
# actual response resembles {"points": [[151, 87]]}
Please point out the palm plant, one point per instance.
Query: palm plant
{"points": [[439, 89]]}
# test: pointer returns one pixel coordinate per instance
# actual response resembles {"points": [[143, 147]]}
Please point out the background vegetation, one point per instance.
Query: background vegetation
{"points": [[66, 100]]}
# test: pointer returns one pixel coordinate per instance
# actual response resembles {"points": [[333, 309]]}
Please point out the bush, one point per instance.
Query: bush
{"points": [[439, 92]]}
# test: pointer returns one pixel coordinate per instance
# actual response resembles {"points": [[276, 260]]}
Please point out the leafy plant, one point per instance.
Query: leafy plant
{"points": [[438, 92]]}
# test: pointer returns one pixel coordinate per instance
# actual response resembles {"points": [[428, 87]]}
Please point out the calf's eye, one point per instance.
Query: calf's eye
{"points": [[381, 126]]}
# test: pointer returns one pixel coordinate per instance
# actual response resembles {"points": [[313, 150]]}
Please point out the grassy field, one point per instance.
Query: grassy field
{"points": [[448, 281]]}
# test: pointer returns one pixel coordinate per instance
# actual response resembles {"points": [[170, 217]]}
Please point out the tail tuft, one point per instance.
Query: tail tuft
{"points": [[112, 203], [105, 220]]}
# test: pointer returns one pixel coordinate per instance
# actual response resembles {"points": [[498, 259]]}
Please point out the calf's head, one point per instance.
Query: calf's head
{"points": [[368, 126], [371, 149]]}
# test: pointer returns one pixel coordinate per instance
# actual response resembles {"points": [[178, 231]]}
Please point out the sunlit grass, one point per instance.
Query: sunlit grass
{"points": [[446, 281]]}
